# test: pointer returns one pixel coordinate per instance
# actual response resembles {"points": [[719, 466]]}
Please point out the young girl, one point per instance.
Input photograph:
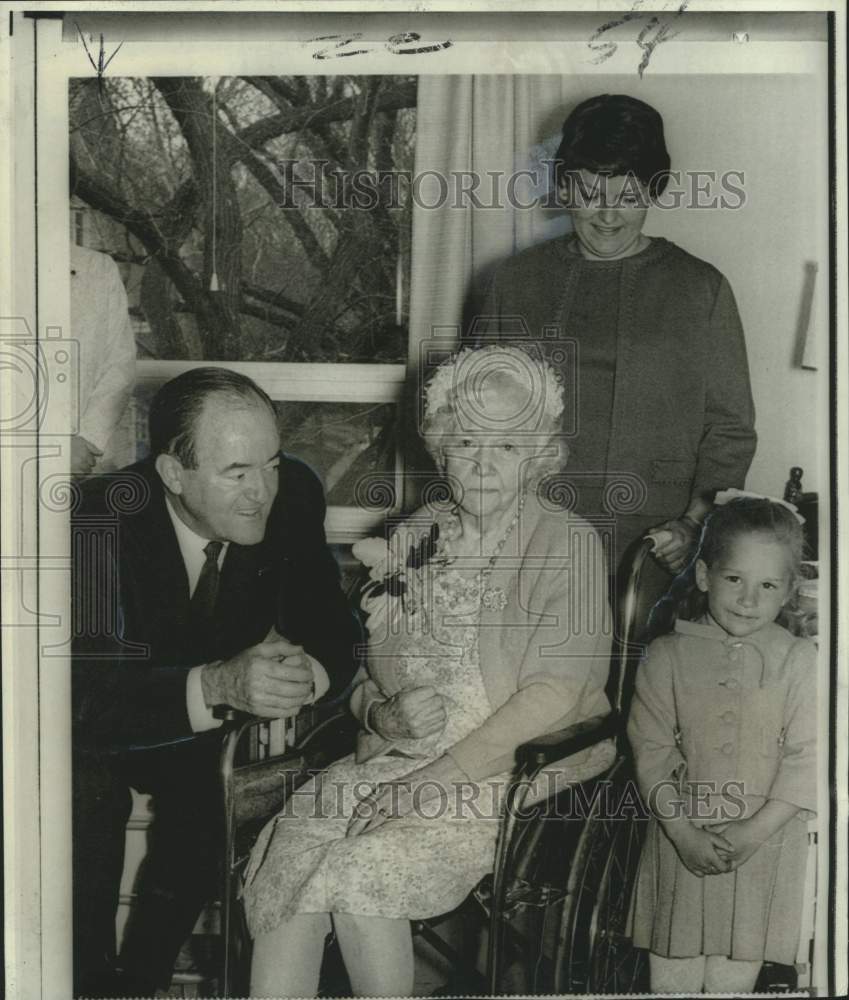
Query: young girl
{"points": [[723, 728]]}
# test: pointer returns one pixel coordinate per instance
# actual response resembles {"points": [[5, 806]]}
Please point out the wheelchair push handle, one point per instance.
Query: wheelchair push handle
{"points": [[637, 555], [655, 538]]}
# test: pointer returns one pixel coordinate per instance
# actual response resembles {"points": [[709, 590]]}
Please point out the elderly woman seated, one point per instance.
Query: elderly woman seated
{"points": [[487, 627]]}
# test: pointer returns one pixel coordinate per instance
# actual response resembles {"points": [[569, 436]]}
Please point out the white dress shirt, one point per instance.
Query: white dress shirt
{"points": [[192, 550]]}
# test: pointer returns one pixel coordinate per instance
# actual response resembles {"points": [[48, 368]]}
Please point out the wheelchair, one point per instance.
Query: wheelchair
{"points": [[554, 913], [555, 907]]}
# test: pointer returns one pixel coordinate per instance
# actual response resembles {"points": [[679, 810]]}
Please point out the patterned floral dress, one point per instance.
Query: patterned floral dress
{"points": [[415, 866]]}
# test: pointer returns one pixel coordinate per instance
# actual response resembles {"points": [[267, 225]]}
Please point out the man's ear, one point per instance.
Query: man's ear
{"points": [[170, 471], [702, 575]]}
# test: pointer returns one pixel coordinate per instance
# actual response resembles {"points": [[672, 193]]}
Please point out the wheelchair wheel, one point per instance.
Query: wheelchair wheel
{"points": [[595, 953], [539, 862]]}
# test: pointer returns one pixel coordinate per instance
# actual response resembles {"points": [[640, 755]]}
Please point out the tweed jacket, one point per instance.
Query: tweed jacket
{"points": [[710, 708], [544, 657], [682, 423], [133, 639]]}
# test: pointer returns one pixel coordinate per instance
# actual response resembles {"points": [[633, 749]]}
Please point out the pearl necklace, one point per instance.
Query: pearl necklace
{"points": [[492, 598]]}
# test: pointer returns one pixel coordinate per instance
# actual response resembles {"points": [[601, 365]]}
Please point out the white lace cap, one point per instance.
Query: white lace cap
{"points": [[472, 367]]}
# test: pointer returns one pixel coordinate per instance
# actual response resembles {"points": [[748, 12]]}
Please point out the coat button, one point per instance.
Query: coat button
{"points": [[734, 656], [728, 717], [730, 682], [728, 749]]}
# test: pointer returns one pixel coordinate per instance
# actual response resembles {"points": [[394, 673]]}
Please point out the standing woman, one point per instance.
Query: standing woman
{"points": [[662, 381]]}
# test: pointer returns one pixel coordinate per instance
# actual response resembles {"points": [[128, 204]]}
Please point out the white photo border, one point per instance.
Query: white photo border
{"points": [[37, 57]]}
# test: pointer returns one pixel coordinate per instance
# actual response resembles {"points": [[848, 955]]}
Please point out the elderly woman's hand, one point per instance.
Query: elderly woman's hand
{"points": [[395, 799], [675, 542], [411, 714]]}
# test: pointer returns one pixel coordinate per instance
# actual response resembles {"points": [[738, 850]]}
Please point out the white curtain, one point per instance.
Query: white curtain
{"points": [[478, 125]]}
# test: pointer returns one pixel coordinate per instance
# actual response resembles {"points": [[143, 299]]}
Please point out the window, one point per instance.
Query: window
{"points": [[263, 223]]}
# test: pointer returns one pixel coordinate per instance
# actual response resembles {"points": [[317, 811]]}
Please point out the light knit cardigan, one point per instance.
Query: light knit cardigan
{"points": [[544, 658]]}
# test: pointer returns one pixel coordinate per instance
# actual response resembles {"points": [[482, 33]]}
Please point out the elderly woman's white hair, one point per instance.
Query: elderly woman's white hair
{"points": [[453, 399]]}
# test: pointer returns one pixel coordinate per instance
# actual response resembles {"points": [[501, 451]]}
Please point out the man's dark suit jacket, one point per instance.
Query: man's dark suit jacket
{"points": [[134, 642]]}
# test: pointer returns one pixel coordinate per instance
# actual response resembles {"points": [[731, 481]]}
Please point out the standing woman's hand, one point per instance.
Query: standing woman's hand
{"points": [[675, 542]]}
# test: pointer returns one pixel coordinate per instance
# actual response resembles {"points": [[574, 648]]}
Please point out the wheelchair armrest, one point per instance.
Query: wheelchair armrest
{"points": [[252, 788], [555, 746]]}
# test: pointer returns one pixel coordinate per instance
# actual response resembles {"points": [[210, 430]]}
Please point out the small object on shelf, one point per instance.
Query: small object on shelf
{"points": [[793, 487], [808, 605], [809, 570], [800, 617], [806, 504], [808, 593]]}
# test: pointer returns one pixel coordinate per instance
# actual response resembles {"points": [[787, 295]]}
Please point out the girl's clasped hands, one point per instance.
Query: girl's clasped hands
{"points": [[714, 849]]}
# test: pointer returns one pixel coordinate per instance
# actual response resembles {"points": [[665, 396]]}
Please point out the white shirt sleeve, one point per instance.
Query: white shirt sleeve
{"points": [[201, 718]]}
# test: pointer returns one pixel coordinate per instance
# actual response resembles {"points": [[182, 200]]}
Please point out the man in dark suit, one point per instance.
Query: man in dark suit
{"points": [[201, 578]]}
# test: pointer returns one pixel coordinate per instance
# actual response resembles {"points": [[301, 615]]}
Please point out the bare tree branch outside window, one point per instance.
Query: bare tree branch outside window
{"points": [[250, 244], [280, 235]]}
